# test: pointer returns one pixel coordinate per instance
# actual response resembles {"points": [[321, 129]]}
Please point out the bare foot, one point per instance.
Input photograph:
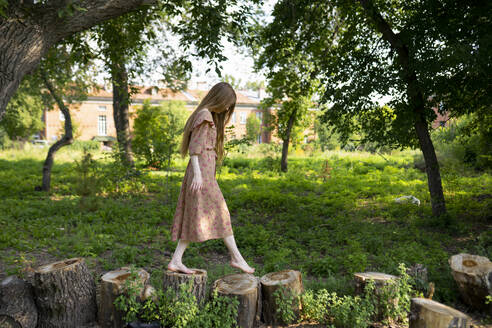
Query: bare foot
{"points": [[180, 267], [242, 266]]}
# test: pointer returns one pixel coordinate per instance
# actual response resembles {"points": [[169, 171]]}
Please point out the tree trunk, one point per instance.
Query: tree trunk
{"points": [[431, 168], [285, 145], [173, 280], [121, 102], [29, 30], [246, 289], [17, 306], [109, 288], [380, 281], [65, 294], [416, 100], [67, 138], [473, 275], [427, 313], [291, 281]]}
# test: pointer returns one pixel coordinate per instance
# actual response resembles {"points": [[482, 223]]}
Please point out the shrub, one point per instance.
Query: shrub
{"points": [[85, 145], [465, 140], [177, 310], [157, 132]]}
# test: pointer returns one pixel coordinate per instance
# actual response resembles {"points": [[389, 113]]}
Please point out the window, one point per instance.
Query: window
{"points": [[101, 108], [101, 125], [242, 117], [62, 117], [233, 118], [259, 116], [259, 138]]}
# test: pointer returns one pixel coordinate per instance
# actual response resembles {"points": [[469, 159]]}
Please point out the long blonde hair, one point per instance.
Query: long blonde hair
{"points": [[220, 101]]}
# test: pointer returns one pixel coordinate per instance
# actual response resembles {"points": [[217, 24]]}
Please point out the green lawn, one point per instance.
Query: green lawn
{"points": [[326, 229]]}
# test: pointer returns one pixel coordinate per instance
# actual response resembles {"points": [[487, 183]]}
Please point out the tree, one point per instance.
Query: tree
{"points": [[235, 83], [418, 53], [253, 127], [291, 79], [124, 42], [255, 85], [23, 116], [65, 73], [28, 30], [157, 130]]}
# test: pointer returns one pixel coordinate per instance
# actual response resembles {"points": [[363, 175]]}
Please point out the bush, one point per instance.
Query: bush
{"points": [[176, 310], [465, 141], [359, 311], [5, 141], [85, 145], [157, 132]]}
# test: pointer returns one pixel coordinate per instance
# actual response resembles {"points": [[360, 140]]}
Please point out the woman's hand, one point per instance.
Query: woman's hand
{"points": [[197, 182]]}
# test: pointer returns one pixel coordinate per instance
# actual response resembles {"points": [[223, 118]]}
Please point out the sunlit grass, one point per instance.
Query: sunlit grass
{"points": [[328, 225]]}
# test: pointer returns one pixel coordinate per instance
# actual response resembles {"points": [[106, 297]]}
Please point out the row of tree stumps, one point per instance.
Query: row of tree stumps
{"points": [[64, 294]]}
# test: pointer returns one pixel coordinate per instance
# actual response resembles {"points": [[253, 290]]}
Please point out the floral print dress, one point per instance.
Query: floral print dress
{"points": [[203, 214]]}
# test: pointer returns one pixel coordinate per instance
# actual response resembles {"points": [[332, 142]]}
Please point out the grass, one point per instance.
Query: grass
{"points": [[327, 224]]}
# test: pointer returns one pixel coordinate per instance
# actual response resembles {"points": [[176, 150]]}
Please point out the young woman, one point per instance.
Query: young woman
{"points": [[201, 212]]}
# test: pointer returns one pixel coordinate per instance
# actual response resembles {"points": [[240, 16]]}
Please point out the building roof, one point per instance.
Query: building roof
{"points": [[160, 94]]}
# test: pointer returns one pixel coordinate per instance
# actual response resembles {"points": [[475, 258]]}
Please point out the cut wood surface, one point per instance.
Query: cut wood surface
{"points": [[380, 279], [291, 280], [246, 288], [425, 313], [110, 287], [473, 275], [65, 294], [17, 306], [174, 279]]}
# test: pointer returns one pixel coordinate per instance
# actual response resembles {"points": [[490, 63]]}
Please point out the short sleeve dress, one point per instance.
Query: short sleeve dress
{"points": [[203, 214]]}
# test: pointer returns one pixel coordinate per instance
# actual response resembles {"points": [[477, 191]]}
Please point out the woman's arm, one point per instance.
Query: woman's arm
{"points": [[196, 184]]}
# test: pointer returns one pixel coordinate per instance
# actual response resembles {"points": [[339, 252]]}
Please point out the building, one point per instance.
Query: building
{"points": [[93, 117]]}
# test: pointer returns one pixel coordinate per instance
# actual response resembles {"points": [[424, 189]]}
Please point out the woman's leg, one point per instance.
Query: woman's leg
{"points": [[237, 260], [176, 263]]}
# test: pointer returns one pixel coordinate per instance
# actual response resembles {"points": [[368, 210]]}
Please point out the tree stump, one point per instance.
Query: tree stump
{"points": [[426, 313], [65, 294], [17, 307], [291, 280], [173, 279], [110, 287], [473, 274], [246, 289], [380, 280]]}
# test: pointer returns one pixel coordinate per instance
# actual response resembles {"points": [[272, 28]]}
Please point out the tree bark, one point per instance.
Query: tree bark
{"points": [[121, 101], [473, 275], [109, 288], [428, 313], [65, 294], [416, 100], [285, 145], [246, 288], [291, 282], [67, 138], [17, 306], [30, 30], [173, 280], [380, 281]]}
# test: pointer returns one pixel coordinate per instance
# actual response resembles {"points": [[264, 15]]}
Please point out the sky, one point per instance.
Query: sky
{"points": [[238, 63]]}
